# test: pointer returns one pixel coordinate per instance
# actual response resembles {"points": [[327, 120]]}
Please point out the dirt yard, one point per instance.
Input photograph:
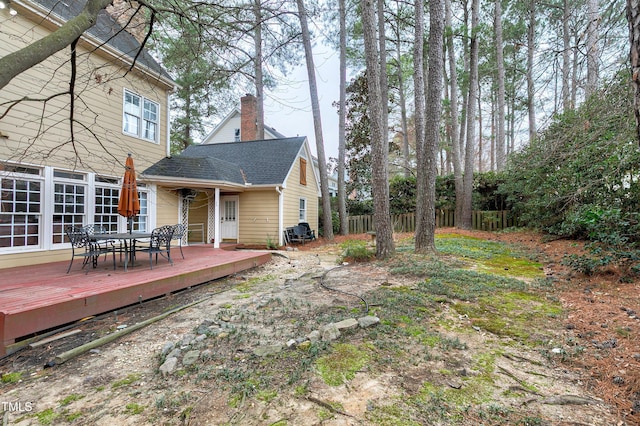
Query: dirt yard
{"points": [[244, 356]]}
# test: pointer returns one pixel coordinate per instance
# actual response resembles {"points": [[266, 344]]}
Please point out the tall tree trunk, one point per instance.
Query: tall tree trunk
{"points": [[342, 119], [317, 123], [494, 118], [406, 161], [259, 79], [566, 58], [480, 124], [593, 15], [464, 88], [379, 144], [453, 112], [427, 170], [421, 241], [500, 138], [465, 220], [384, 80], [633, 17], [531, 44]]}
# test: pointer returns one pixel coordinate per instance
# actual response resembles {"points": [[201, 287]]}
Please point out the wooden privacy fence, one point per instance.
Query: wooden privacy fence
{"points": [[481, 220]]}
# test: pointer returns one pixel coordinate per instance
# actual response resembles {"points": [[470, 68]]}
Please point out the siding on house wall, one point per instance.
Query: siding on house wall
{"points": [[39, 134], [226, 133], [258, 217], [294, 191], [101, 88], [199, 212], [166, 208]]}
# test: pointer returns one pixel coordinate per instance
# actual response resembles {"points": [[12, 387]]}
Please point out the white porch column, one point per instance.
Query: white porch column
{"points": [[280, 216], [216, 219]]}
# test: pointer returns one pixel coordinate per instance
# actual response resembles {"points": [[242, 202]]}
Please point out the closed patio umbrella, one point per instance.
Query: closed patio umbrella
{"points": [[129, 204]]}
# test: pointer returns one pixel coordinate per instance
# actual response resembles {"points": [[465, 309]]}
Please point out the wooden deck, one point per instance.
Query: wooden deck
{"points": [[40, 297]]}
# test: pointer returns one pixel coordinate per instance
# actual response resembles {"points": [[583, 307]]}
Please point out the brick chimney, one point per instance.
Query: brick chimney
{"points": [[248, 117], [123, 12]]}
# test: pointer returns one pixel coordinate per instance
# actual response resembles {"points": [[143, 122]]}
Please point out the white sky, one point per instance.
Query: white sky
{"points": [[288, 107]]}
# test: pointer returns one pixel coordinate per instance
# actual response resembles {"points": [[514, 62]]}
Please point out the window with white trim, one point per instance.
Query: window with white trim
{"points": [[141, 117], [69, 203], [236, 135], [141, 221], [302, 216], [20, 206], [107, 193]]}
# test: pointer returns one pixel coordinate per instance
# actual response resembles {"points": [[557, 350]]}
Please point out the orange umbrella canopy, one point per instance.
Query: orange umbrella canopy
{"points": [[129, 204]]}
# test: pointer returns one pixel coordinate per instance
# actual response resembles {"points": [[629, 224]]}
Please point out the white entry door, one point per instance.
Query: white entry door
{"points": [[229, 218]]}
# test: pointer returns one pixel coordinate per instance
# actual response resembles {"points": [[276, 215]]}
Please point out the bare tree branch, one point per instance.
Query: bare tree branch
{"points": [[21, 60]]}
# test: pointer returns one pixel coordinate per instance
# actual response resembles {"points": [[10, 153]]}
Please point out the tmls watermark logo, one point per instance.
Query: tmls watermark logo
{"points": [[16, 406]]}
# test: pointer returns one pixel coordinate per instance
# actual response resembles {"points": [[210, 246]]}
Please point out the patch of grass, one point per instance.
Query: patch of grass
{"points": [[131, 378], [390, 415], [267, 395], [342, 363], [70, 417], [516, 314], [11, 377], [133, 408], [71, 398], [249, 284], [489, 256], [46, 417], [355, 251]]}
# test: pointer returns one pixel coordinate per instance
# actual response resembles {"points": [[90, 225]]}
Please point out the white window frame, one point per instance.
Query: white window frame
{"points": [[144, 117], [106, 213], [236, 135], [142, 221], [76, 180], [302, 210], [16, 175]]}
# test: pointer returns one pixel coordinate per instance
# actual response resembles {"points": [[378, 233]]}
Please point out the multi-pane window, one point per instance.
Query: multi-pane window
{"points": [[236, 135], [141, 221], [33, 198], [107, 194], [303, 210], [69, 201], [20, 208], [141, 117], [150, 120]]}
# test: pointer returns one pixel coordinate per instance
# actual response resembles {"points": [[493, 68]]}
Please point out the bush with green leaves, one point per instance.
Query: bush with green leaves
{"points": [[580, 178]]}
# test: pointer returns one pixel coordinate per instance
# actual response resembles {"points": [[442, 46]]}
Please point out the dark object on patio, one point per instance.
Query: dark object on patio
{"points": [[93, 229], [82, 245], [179, 233], [298, 234], [309, 232], [159, 244]]}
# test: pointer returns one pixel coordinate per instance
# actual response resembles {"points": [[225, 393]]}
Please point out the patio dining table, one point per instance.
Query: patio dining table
{"points": [[128, 239]]}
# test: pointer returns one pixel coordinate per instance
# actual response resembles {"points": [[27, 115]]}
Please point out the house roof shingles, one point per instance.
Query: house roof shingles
{"points": [[263, 162], [106, 30]]}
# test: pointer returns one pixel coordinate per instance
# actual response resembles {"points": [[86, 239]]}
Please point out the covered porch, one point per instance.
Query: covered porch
{"points": [[41, 297]]}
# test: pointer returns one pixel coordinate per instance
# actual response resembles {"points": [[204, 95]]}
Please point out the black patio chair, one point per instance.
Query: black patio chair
{"points": [[309, 233], [93, 229], [299, 234], [82, 245], [159, 244], [179, 233]]}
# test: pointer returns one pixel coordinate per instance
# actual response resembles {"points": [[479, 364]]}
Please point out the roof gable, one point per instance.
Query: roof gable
{"points": [[263, 162], [229, 120]]}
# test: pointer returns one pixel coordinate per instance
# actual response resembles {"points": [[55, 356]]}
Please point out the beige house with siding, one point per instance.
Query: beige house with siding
{"points": [[244, 192], [55, 172]]}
